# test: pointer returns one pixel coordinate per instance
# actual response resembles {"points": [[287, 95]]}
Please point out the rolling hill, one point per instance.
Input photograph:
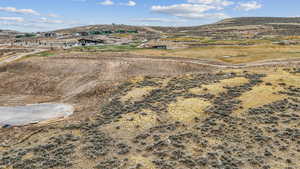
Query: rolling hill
{"points": [[258, 25], [227, 28]]}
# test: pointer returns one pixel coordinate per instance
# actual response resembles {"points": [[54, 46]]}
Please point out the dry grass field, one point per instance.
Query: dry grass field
{"points": [[230, 54]]}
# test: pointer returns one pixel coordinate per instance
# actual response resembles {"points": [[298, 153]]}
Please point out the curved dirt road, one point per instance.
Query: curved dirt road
{"points": [[20, 55], [203, 62]]}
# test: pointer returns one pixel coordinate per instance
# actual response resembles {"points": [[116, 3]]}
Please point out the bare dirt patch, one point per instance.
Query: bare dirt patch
{"points": [[77, 78]]}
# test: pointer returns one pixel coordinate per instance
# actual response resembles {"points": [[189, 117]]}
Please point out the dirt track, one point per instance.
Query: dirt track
{"points": [[19, 56], [212, 63]]}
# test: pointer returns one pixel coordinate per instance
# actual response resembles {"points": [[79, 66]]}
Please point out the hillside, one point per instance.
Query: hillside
{"points": [[106, 27], [255, 26], [258, 21], [263, 25], [228, 28]]}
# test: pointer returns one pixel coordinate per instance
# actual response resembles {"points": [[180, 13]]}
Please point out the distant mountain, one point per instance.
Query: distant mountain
{"points": [[258, 21], [257, 26], [243, 27], [107, 27]]}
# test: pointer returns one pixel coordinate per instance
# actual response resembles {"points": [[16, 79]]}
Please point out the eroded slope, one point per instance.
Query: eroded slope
{"points": [[178, 122]]}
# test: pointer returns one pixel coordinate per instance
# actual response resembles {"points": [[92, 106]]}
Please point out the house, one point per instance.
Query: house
{"points": [[132, 31], [105, 32], [95, 32], [159, 47], [83, 33], [90, 42], [50, 34], [120, 31]]}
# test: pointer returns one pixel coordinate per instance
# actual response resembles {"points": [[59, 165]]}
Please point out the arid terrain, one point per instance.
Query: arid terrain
{"points": [[216, 106]]}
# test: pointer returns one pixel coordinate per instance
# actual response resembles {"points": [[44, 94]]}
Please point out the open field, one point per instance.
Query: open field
{"points": [[137, 111], [230, 54]]}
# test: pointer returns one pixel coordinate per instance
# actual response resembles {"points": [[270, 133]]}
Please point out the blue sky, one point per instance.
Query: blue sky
{"points": [[44, 15]]}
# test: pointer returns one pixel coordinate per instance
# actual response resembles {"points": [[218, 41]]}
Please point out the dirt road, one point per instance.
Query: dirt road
{"points": [[20, 55], [201, 62]]}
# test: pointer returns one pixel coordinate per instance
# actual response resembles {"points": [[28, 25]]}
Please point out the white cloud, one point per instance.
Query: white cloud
{"points": [[131, 3], [111, 2], [205, 16], [179, 9], [190, 11], [46, 20], [36, 24], [52, 15], [248, 6], [221, 3], [22, 11], [107, 2], [14, 19]]}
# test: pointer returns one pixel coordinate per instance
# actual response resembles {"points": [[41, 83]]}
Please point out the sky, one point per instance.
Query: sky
{"points": [[46, 15]]}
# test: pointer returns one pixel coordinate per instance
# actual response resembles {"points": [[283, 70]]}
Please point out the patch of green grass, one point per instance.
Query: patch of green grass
{"points": [[210, 41], [45, 54], [41, 54]]}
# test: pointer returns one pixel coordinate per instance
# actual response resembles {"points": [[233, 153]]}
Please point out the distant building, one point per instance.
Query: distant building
{"points": [[90, 42], [160, 44], [50, 34], [159, 47], [82, 33]]}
